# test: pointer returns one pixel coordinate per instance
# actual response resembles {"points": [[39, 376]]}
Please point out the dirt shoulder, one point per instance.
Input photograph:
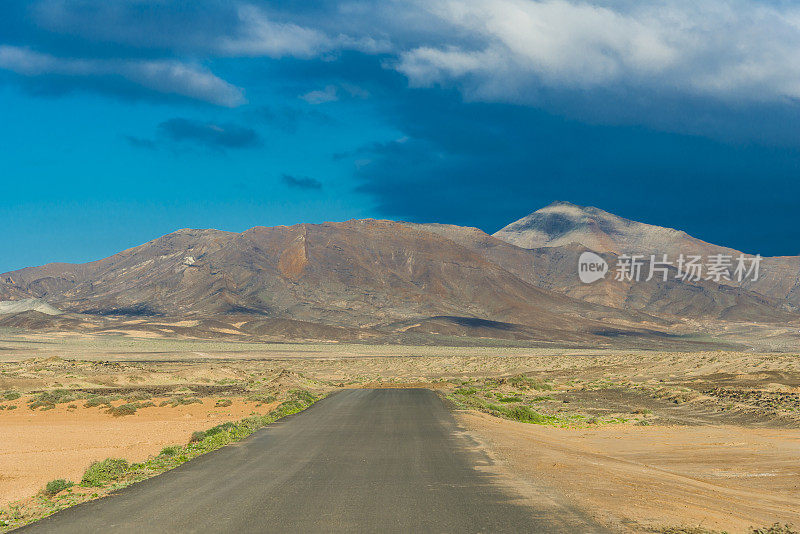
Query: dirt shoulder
{"points": [[641, 478], [39, 446]]}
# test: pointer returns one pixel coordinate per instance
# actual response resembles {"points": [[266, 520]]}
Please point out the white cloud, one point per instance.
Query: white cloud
{"points": [[260, 36], [729, 49], [493, 50], [329, 94], [164, 76]]}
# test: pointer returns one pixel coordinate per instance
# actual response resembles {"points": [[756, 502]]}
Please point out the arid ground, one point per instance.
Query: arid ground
{"points": [[641, 441]]}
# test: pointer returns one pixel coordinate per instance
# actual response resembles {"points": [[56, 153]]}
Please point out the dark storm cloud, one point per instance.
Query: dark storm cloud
{"points": [[301, 182], [486, 165], [489, 50], [217, 136]]}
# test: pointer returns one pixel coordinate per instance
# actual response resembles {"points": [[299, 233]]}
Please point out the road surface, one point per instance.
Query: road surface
{"points": [[384, 460]]}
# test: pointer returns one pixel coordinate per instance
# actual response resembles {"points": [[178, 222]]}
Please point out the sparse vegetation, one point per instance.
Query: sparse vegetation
{"points": [[98, 401], [180, 400], [261, 399], [170, 451], [223, 403], [11, 395], [48, 400], [100, 473], [122, 410], [521, 413], [57, 486], [523, 382], [776, 528]]}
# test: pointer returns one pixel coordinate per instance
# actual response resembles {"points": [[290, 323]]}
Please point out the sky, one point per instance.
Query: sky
{"points": [[123, 120]]}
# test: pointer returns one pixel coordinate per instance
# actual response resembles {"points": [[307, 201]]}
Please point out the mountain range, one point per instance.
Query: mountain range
{"points": [[378, 280]]}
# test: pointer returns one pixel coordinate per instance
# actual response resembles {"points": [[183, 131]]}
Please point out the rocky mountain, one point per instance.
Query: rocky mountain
{"points": [[563, 224], [373, 279], [363, 274]]}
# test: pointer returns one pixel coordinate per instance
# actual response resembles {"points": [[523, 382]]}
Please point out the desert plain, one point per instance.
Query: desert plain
{"points": [[641, 441]]}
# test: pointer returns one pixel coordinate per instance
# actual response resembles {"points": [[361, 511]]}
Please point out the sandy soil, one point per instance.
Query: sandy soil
{"points": [[721, 449], [718, 477], [39, 446]]}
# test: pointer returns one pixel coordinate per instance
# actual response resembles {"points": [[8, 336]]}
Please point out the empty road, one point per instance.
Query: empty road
{"points": [[385, 460]]}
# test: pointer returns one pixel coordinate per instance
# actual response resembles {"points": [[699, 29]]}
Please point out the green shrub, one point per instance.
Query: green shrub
{"points": [[223, 403], [197, 436], [138, 396], [302, 395], [776, 528], [57, 396], [96, 401], [216, 440], [509, 399], [261, 398], [101, 473], [57, 486], [177, 401], [121, 410], [11, 395], [170, 451], [224, 427], [526, 382], [528, 415]]}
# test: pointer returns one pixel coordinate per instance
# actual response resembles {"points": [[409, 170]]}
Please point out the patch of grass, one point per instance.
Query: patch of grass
{"points": [[122, 410], [223, 403], [224, 427], [512, 398], [98, 401], [526, 382], [526, 414], [101, 473], [57, 486], [775, 528], [302, 395], [521, 413], [138, 396], [47, 400], [262, 399], [181, 400], [689, 530], [11, 395], [197, 436], [170, 451]]}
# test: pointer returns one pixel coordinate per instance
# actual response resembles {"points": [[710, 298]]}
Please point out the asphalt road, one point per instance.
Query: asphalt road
{"points": [[384, 460]]}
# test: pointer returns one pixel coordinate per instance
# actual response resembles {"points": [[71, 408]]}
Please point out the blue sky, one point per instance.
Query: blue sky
{"points": [[125, 120]]}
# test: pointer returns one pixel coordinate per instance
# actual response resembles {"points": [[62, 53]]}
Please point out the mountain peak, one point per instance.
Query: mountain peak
{"points": [[562, 223]]}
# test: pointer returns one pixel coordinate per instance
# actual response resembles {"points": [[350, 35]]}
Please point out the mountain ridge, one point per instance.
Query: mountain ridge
{"points": [[374, 277]]}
